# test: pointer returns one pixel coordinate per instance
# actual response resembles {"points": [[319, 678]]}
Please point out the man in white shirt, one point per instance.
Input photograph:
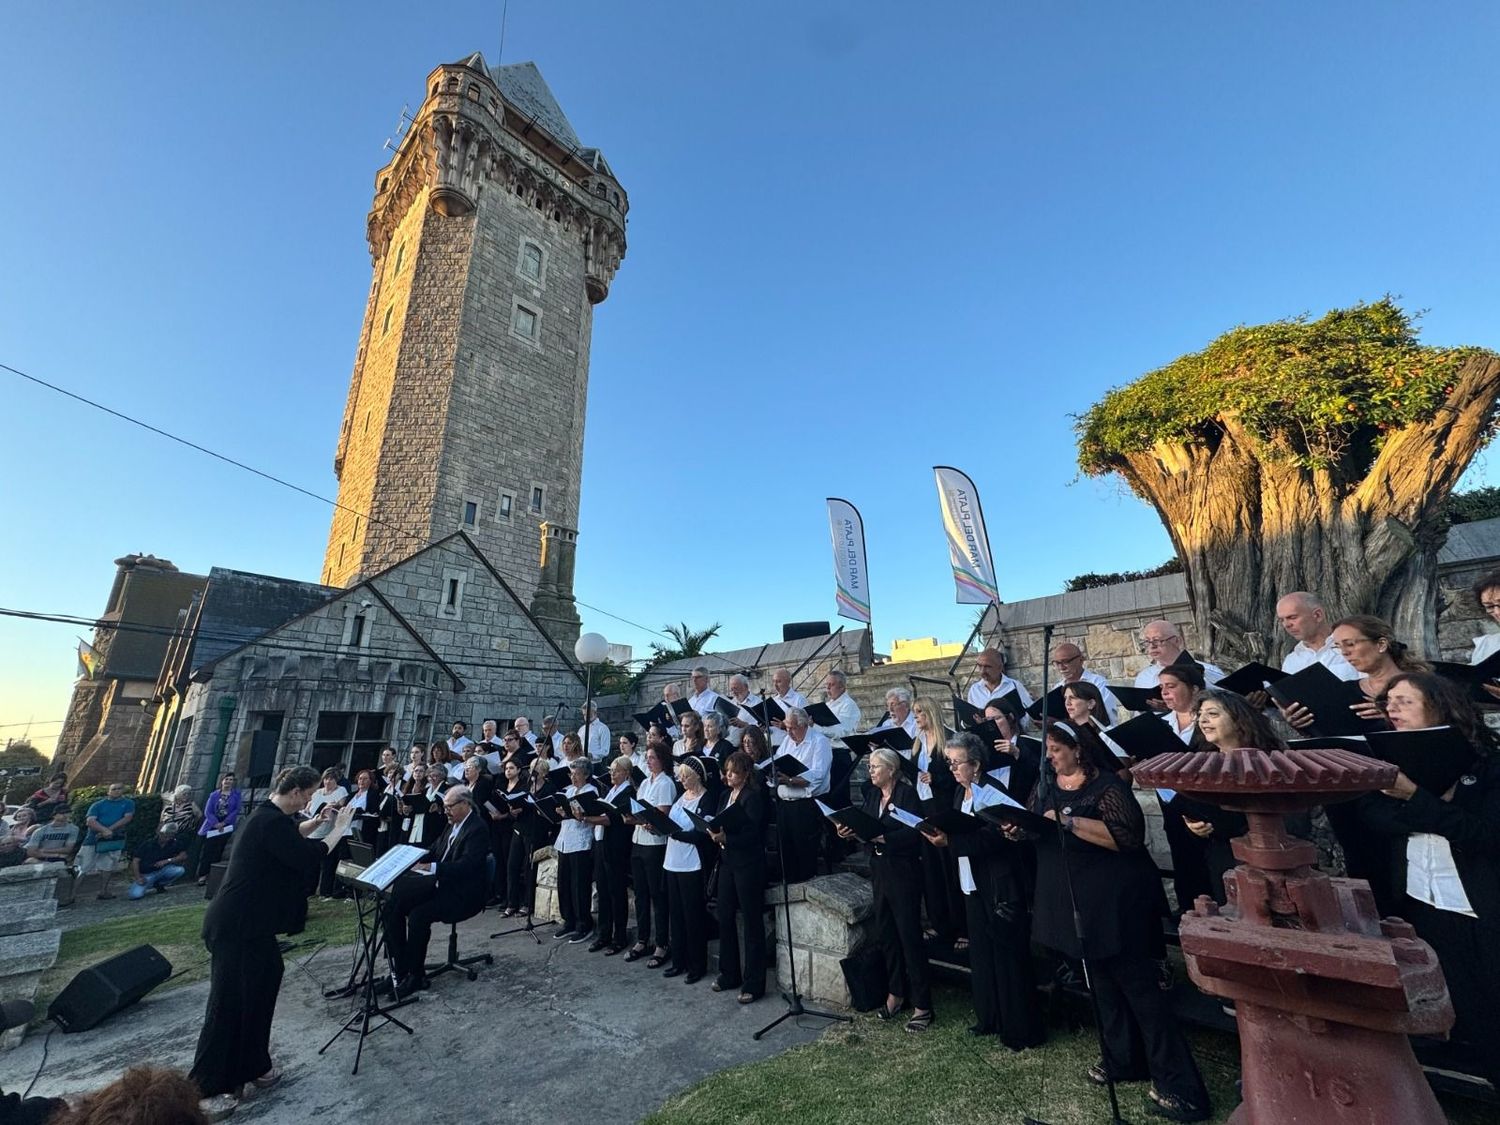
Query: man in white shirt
{"points": [[785, 697], [1486, 592], [523, 728], [459, 739], [841, 703], [898, 712], [551, 734], [594, 735], [741, 696], [993, 682], [801, 822], [1163, 644], [1067, 660], [702, 699], [1306, 619]]}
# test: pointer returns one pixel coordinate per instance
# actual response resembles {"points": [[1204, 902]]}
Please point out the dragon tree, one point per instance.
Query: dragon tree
{"points": [[1302, 455]]}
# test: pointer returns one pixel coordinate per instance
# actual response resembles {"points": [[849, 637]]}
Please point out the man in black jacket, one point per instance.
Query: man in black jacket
{"points": [[449, 887]]}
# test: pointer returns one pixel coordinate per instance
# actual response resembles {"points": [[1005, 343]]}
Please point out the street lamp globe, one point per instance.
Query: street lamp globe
{"points": [[591, 648]]}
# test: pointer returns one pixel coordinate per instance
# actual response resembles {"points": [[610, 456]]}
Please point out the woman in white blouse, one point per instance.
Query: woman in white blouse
{"points": [[331, 796], [1449, 868], [647, 853], [575, 861], [686, 878]]}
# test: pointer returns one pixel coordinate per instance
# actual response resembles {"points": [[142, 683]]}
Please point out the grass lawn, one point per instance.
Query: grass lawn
{"points": [[174, 931], [870, 1071]]}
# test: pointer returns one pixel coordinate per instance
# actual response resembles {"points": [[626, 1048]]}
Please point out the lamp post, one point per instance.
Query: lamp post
{"points": [[590, 649]]}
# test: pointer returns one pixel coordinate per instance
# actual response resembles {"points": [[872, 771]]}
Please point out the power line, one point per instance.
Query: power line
{"points": [[297, 488], [34, 723]]}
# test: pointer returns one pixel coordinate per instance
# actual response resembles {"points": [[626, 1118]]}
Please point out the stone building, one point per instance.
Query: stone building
{"points": [[493, 234], [392, 659], [105, 733]]}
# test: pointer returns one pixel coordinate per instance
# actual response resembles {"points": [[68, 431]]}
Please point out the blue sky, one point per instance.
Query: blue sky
{"points": [[865, 238]]}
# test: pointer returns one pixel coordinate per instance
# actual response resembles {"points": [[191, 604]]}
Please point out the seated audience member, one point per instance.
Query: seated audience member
{"points": [[54, 793], [13, 839], [103, 847], [1446, 860], [453, 889], [221, 812], [54, 841], [158, 863], [331, 795], [182, 811]]}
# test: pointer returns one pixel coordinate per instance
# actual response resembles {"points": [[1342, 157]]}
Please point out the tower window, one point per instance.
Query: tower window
{"points": [[400, 257], [507, 502], [450, 599], [538, 496], [386, 325], [357, 631], [531, 262], [452, 602], [524, 322], [471, 513]]}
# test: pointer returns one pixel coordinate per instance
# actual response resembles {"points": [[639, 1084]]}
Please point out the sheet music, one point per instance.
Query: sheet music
{"points": [[901, 816], [385, 870]]}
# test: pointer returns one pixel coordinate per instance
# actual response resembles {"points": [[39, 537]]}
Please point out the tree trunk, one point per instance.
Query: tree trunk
{"points": [[1249, 529]]}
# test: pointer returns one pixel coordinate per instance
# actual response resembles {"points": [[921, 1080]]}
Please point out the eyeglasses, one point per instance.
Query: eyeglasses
{"points": [[1489, 607], [1157, 642]]}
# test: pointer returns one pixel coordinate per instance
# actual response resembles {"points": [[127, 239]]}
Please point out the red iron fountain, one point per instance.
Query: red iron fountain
{"points": [[1325, 992]]}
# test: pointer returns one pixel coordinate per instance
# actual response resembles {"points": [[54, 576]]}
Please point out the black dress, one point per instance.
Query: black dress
{"points": [[896, 877], [945, 906], [263, 894], [1118, 895], [1467, 947], [742, 896]]}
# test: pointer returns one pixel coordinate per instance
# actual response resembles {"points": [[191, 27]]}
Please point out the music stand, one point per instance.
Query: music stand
{"points": [[371, 1015]]}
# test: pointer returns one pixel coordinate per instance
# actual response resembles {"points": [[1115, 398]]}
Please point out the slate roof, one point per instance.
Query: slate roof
{"points": [[239, 606], [1471, 542], [522, 85], [764, 659]]}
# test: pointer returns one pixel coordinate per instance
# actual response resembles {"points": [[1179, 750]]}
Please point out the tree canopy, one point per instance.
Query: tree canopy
{"points": [[1320, 394]]}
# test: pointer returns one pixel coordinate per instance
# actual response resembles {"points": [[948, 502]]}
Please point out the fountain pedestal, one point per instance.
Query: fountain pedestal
{"points": [[1325, 992]]}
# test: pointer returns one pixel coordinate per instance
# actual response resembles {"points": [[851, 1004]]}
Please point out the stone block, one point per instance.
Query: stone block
{"points": [[27, 917], [27, 884], [28, 953], [845, 896]]}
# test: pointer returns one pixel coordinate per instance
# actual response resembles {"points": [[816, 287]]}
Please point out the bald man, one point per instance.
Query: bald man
{"points": [[993, 682], [1068, 663], [1305, 619]]}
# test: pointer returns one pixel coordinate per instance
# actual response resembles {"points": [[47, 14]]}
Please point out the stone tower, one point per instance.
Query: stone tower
{"points": [[493, 234]]}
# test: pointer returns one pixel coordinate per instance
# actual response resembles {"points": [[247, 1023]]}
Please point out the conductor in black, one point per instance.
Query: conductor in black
{"points": [[264, 893]]}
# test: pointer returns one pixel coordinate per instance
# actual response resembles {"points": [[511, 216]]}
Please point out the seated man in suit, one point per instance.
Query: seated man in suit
{"points": [[449, 886]]}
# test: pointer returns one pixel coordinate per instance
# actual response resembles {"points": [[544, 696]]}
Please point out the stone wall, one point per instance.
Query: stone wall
{"points": [[830, 918], [503, 663], [28, 939]]}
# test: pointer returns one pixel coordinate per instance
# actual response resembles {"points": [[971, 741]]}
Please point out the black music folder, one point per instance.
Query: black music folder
{"points": [[1133, 698], [1472, 677], [678, 707], [1014, 815], [767, 711], [821, 715], [732, 819], [1054, 701], [1252, 677], [658, 714], [637, 775], [659, 822], [966, 714], [594, 805], [1146, 736], [861, 823], [727, 707], [788, 766], [950, 820], [1433, 757], [1327, 697]]}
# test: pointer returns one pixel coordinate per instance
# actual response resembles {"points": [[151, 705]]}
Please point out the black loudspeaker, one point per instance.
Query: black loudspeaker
{"points": [[104, 989], [798, 630], [262, 756]]}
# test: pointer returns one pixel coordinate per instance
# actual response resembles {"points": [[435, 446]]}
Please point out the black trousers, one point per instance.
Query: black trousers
{"points": [[1471, 965], [211, 853], [327, 882], [501, 835], [234, 1046], [519, 874], [652, 913], [689, 921], [575, 890], [898, 928], [801, 835], [612, 876], [1190, 875], [742, 896], [1001, 976], [410, 912], [1141, 1036], [940, 892]]}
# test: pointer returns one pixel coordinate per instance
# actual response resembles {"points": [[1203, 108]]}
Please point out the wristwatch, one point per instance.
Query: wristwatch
{"points": [[1067, 823]]}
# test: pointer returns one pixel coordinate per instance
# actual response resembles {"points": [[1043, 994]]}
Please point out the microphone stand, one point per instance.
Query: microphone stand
{"points": [[1049, 783], [793, 998]]}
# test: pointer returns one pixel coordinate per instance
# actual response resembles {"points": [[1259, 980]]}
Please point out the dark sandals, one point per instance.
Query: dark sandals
{"points": [[921, 1021]]}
